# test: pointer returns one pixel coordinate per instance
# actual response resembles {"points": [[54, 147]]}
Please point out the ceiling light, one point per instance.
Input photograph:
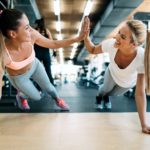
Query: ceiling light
{"points": [[88, 8], [75, 45], [72, 53], [86, 13], [59, 36], [58, 26], [56, 7], [61, 56]]}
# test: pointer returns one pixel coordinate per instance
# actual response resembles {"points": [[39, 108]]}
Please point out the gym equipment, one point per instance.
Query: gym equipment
{"points": [[8, 94]]}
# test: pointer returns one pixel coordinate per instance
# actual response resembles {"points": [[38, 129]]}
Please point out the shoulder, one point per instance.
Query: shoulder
{"points": [[34, 35], [6, 59]]}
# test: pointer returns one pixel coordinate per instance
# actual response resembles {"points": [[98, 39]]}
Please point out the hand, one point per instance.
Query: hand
{"points": [[146, 129], [85, 29], [88, 28]]}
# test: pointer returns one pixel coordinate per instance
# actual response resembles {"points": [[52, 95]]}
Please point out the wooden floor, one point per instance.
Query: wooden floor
{"points": [[72, 131]]}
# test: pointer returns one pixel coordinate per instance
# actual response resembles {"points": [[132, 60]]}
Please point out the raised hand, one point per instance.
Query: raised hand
{"points": [[87, 20], [85, 28]]}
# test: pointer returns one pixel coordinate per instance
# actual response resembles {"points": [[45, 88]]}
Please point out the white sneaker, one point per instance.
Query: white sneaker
{"points": [[108, 105]]}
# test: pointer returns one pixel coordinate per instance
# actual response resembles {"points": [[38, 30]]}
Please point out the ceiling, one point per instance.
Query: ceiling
{"points": [[105, 15], [71, 13]]}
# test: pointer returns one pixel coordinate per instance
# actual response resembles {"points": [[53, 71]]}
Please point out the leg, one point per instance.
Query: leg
{"points": [[24, 91], [105, 88], [43, 81], [108, 84], [47, 65], [41, 78], [28, 89], [117, 90]]}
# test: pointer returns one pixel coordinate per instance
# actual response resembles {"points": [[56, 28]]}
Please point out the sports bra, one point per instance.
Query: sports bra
{"points": [[19, 65]]}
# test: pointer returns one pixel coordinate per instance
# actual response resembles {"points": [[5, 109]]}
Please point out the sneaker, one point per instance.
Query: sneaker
{"points": [[61, 103], [22, 103], [108, 105], [100, 105], [107, 102]]}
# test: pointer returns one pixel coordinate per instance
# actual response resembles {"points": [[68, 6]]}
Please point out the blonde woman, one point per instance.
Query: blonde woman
{"points": [[126, 67], [17, 57]]}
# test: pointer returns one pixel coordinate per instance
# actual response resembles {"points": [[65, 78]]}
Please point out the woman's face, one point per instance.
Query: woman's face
{"points": [[23, 32], [124, 38]]}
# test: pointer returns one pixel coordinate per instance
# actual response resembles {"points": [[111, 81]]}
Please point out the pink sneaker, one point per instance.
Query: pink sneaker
{"points": [[61, 103], [22, 103]]}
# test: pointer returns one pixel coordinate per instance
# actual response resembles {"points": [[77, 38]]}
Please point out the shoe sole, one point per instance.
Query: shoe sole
{"points": [[64, 109]]}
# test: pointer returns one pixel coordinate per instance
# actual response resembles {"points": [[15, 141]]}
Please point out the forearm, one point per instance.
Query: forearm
{"points": [[54, 44], [40, 40], [141, 108], [66, 42], [89, 45]]}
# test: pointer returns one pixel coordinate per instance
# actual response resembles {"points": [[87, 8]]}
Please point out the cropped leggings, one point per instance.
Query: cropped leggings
{"points": [[38, 74], [110, 87]]}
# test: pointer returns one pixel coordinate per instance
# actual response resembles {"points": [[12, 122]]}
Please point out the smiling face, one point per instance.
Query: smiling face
{"points": [[23, 32], [124, 39]]}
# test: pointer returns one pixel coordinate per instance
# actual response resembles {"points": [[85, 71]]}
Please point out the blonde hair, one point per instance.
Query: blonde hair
{"points": [[2, 48], [138, 29], [139, 33], [147, 63]]}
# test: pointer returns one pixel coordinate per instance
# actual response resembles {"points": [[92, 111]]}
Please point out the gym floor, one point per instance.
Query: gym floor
{"points": [[83, 128]]}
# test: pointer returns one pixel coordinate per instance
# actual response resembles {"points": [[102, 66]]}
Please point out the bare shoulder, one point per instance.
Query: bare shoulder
{"points": [[6, 59], [34, 35]]}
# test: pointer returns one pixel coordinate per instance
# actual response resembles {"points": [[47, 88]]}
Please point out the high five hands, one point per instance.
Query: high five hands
{"points": [[85, 29]]}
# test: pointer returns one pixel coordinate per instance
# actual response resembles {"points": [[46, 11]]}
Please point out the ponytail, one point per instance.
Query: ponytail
{"points": [[147, 64]]}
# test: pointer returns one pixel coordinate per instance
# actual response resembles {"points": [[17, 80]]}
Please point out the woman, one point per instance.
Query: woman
{"points": [[43, 54], [17, 57], [126, 67]]}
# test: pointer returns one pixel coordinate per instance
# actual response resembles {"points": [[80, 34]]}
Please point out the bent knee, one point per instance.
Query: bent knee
{"points": [[35, 97]]}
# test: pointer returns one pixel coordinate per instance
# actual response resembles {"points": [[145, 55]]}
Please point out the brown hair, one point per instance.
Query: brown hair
{"points": [[9, 20]]}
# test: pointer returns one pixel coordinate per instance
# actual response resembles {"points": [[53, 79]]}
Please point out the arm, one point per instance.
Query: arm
{"points": [[49, 43], [140, 98], [93, 49]]}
